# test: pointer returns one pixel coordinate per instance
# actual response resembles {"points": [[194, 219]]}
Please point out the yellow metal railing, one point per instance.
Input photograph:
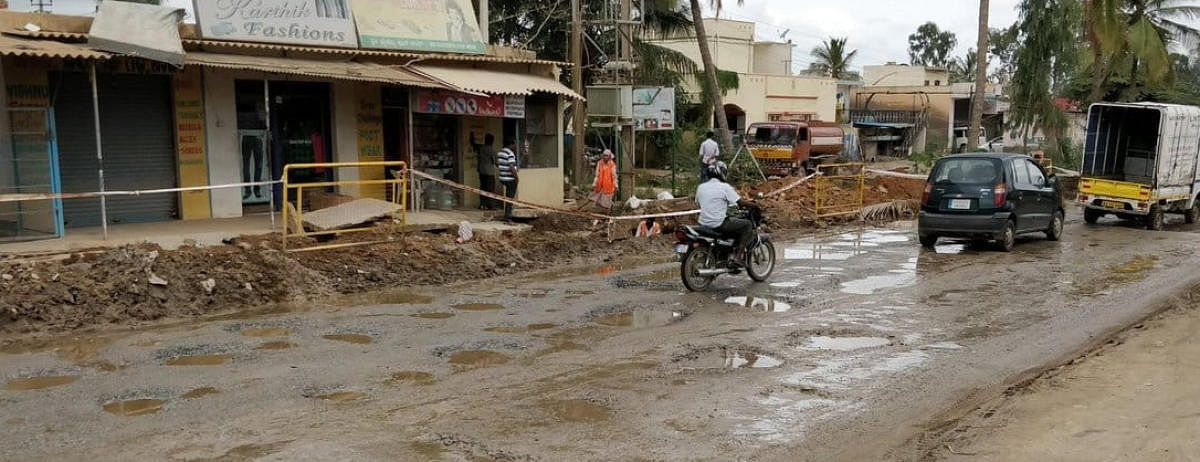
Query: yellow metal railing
{"points": [[293, 215], [839, 189]]}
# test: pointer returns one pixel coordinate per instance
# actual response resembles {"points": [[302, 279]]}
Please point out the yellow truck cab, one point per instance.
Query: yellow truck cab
{"points": [[788, 148], [1140, 162]]}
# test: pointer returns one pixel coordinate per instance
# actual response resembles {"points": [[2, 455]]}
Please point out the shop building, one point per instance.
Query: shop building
{"points": [[237, 112]]}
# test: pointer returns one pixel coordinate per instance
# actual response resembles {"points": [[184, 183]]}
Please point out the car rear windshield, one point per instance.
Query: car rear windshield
{"points": [[774, 136], [968, 171]]}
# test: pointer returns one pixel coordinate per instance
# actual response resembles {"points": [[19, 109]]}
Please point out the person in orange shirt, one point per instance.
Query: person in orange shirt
{"points": [[604, 187]]}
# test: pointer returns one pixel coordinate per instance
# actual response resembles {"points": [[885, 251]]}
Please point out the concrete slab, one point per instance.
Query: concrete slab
{"points": [[349, 214]]}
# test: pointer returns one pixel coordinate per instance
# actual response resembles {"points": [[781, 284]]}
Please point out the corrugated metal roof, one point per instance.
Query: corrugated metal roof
{"points": [[341, 70], [366, 52], [496, 82], [14, 46]]}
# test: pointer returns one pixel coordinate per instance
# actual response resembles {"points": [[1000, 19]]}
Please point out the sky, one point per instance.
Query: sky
{"points": [[878, 29]]}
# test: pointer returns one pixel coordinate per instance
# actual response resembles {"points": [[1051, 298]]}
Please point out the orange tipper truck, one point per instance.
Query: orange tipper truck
{"points": [[1141, 160], [790, 148]]}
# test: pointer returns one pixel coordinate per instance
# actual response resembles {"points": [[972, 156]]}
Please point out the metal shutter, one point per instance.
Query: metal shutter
{"points": [[139, 149]]}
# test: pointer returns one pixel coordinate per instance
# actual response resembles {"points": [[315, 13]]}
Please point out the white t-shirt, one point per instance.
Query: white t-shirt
{"points": [[709, 151], [715, 197]]}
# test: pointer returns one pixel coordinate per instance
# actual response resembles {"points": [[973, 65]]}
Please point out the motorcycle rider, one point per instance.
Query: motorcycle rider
{"points": [[715, 197]]}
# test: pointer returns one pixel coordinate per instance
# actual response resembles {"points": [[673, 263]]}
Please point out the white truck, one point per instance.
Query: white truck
{"points": [[1140, 161]]}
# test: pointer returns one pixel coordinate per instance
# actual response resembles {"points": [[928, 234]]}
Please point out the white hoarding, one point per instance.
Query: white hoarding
{"points": [[327, 23], [654, 108]]}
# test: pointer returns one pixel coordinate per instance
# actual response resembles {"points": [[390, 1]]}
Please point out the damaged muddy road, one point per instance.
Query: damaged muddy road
{"points": [[861, 336]]}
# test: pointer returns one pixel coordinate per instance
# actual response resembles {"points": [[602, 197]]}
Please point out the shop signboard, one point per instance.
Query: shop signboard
{"points": [[442, 26], [189, 128], [455, 103], [327, 23], [654, 108]]}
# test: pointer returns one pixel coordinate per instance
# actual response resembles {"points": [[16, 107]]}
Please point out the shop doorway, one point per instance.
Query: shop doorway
{"points": [[436, 152], [395, 129]]}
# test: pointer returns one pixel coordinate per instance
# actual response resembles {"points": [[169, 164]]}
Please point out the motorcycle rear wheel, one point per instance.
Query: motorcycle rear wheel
{"points": [[697, 259], [760, 261]]}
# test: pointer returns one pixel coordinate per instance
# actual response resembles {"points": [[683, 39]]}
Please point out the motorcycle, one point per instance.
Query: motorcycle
{"points": [[704, 254]]}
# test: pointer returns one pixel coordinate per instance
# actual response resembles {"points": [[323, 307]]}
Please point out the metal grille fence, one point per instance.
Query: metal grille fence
{"points": [[839, 189]]}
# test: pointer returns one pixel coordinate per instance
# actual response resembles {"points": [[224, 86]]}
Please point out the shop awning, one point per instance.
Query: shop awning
{"points": [[340, 70], [496, 82], [13, 46]]}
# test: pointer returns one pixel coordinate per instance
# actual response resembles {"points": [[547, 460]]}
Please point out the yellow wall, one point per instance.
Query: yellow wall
{"points": [[369, 116], [190, 143]]}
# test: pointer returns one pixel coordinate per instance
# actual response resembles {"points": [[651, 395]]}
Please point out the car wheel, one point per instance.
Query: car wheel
{"points": [[1092, 216], [1192, 214], [1156, 218], [1054, 232], [928, 241], [1008, 237]]}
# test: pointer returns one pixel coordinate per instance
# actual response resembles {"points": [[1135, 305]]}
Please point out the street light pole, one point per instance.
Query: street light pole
{"points": [[578, 115]]}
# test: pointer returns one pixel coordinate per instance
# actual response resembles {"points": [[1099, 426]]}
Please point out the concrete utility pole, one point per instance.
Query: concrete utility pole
{"points": [[627, 137], [578, 115], [981, 68]]}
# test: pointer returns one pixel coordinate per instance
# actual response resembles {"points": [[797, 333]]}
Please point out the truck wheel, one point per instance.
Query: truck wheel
{"points": [[1192, 214], [1154, 221], [1092, 216]]}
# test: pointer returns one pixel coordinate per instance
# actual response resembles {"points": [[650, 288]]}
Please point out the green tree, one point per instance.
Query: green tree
{"points": [[833, 59], [931, 46], [962, 69], [1047, 56], [1128, 43], [1002, 46]]}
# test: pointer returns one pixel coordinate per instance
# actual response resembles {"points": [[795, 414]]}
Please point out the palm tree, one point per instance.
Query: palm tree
{"points": [[710, 71], [981, 64], [1131, 36], [963, 69], [832, 59]]}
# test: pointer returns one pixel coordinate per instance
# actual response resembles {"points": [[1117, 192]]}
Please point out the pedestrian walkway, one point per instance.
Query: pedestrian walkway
{"points": [[174, 234]]}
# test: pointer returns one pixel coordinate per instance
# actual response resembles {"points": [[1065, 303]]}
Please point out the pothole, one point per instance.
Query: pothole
{"points": [[639, 319], [576, 410], [201, 392], [478, 307], [412, 378], [134, 407], [845, 343], [478, 358], [358, 339], [40, 382]]}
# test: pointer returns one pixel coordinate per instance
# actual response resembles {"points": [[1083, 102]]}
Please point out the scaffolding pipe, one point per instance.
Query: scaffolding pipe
{"points": [[99, 150]]}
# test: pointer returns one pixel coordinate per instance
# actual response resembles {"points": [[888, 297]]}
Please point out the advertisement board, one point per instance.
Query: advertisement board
{"points": [[328, 23], [455, 103], [443, 26], [654, 108]]}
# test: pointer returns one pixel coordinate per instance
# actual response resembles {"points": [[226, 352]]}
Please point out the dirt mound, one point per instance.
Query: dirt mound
{"points": [[144, 283], [794, 208]]}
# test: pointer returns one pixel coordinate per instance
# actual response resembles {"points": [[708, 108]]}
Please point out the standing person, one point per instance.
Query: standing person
{"points": [[508, 169], [709, 152], [486, 168], [604, 187]]}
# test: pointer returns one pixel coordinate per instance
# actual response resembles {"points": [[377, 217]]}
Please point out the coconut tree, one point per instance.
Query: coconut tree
{"points": [[981, 60], [711, 83], [832, 59], [962, 69], [1129, 38]]}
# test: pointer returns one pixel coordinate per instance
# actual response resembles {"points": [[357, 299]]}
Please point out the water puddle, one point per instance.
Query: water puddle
{"points": [[267, 332], [845, 343], [433, 315], [730, 359], [536, 294], [412, 377], [786, 285], [816, 253], [38, 383], [478, 358], [358, 339], [873, 284], [759, 304], [638, 319], [478, 307], [576, 411], [944, 346], [542, 326], [201, 392], [199, 360], [276, 346], [667, 275], [342, 396], [134, 407]]}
